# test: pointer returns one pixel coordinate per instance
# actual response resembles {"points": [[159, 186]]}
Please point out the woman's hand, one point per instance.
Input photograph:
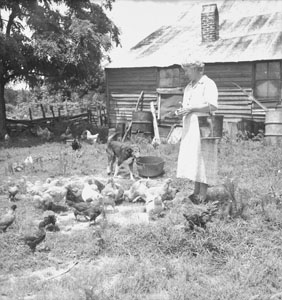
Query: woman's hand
{"points": [[183, 111]]}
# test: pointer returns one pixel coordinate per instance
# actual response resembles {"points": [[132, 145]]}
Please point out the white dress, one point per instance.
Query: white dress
{"points": [[191, 164]]}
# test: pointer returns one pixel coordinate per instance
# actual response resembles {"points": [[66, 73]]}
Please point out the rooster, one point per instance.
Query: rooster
{"points": [[8, 219]]}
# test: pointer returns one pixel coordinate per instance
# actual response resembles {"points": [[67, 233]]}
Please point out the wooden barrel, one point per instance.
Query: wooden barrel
{"points": [[142, 122], [273, 127]]}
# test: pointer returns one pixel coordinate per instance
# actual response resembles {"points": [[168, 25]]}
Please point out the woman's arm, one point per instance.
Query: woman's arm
{"points": [[204, 108]]}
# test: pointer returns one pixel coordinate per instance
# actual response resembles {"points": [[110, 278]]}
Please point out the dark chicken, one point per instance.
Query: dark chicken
{"points": [[73, 196], [8, 219], [201, 218], [35, 238], [76, 145], [87, 210]]}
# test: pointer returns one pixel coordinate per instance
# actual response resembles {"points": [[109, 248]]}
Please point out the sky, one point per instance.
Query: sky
{"points": [[139, 18]]}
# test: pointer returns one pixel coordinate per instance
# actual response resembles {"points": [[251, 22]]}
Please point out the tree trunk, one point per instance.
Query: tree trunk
{"points": [[2, 108]]}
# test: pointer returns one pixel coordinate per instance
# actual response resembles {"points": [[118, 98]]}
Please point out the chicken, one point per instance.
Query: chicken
{"points": [[8, 219], [201, 216], [66, 135], [163, 191], [92, 213], [74, 196], [99, 184], [57, 208], [112, 193], [90, 192], [91, 138], [28, 161], [137, 191], [76, 145], [13, 191], [155, 208], [7, 138], [32, 239], [57, 192], [87, 210], [44, 134]]}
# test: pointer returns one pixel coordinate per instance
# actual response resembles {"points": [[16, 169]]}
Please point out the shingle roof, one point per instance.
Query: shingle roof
{"points": [[250, 30]]}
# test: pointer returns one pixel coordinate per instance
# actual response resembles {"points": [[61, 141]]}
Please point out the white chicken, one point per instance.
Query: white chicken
{"points": [[90, 192], [28, 162], [91, 138], [13, 191], [163, 191], [138, 191], [154, 207], [7, 138]]}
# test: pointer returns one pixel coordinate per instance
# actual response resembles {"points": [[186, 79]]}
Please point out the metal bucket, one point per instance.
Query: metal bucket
{"points": [[211, 126], [150, 166], [273, 127], [142, 121]]}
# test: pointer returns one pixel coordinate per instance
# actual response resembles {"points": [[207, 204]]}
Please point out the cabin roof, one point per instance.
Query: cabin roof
{"points": [[249, 30]]}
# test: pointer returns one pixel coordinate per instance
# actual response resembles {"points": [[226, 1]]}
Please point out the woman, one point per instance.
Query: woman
{"points": [[194, 160]]}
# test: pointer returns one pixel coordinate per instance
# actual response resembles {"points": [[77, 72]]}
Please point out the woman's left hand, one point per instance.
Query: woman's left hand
{"points": [[184, 111]]}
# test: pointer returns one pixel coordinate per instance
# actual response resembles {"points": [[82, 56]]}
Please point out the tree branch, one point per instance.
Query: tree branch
{"points": [[11, 20]]}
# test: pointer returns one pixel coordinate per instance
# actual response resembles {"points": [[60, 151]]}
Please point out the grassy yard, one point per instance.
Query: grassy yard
{"points": [[234, 258]]}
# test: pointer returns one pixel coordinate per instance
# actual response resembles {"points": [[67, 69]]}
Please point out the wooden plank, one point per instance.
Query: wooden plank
{"points": [[175, 91]]}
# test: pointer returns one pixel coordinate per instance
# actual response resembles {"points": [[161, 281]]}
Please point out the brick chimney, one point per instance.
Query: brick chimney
{"points": [[209, 23]]}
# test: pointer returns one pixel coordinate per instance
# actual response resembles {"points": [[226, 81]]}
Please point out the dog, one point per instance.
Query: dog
{"points": [[121, 152]]}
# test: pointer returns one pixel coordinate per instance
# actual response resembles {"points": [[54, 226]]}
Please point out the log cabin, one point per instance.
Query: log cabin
{"points": [[239, 41]]}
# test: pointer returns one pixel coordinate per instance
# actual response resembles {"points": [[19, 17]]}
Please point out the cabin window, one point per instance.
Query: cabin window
{"points": [[267, 80]]}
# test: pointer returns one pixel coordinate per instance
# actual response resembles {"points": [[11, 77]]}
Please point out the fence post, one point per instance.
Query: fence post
{"points": [[43, 112], [30, 113], [52, 110]]}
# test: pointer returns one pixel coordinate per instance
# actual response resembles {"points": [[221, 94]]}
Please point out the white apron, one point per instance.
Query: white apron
{"points": [[190, 159]]}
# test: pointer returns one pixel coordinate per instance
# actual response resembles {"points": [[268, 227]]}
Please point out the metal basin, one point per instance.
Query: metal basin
{"points": [[150, 166]]}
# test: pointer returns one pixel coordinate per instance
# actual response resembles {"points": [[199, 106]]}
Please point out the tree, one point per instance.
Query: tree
{"points": [[58, 42]]}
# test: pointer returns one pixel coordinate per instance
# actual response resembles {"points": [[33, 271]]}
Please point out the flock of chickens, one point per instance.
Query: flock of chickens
{"points": [[88, 198]]}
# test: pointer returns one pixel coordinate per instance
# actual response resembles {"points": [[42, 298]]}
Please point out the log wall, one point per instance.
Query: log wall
{"points": [[124, 86], [123, 89]]}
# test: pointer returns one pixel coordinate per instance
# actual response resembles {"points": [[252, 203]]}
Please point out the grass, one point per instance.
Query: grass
{"points": [[238, 257]]}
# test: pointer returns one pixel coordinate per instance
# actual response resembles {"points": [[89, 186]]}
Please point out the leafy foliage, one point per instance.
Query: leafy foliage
{"points": [[57, 42], [62, 42]]}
